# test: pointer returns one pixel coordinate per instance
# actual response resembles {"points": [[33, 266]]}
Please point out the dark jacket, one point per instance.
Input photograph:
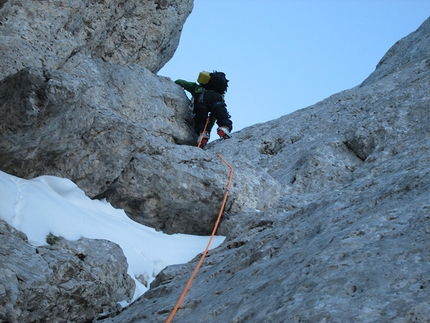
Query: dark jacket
{"points": [[206, 101]]}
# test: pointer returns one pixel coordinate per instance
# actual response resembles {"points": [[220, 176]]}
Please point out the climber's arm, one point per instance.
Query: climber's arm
{"points": [[189, 86]]}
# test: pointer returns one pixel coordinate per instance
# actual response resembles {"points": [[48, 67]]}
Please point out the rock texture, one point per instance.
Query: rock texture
{"points": [[348, 240], [328, 210], [113, 129], [64, 282], [45, 34], [81, 125]]}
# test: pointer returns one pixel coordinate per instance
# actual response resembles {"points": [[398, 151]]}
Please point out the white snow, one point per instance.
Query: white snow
{"points": [[49, 204]]}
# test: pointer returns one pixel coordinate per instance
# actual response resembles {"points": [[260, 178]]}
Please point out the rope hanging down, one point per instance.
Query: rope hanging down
{"points": [[175, 309]]}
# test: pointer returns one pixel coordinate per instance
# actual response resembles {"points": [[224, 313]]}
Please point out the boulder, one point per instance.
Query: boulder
{"points": [[63, 282]]}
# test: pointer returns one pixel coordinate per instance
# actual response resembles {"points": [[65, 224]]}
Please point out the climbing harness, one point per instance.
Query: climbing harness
{"points": [[175, 309]]}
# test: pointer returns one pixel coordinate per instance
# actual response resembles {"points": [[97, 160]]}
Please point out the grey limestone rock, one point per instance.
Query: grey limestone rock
{"points": [[182, 189], [91, 114], [121, 133], [348, 239], [45, 34], [409, 49], [328, 213], [78, 126], [65, 282]]}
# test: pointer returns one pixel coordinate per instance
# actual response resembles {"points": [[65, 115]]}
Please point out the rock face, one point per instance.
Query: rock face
{"points": [[348, 239], [51, 283], [45, 34], [114, 129], [115, 132], [54, 121], [329, 210]]}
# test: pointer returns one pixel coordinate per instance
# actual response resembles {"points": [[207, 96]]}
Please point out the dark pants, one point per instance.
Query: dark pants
{"points": [[218, 113]]}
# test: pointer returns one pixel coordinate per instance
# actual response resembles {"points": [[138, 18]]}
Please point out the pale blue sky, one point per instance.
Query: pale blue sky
{"points": [[284, 55]]}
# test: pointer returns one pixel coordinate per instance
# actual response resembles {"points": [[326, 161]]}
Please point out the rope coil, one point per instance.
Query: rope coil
{"points": [[175, 309]]}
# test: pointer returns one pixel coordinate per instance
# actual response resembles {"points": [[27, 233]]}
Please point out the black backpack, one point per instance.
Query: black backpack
{"points": [[217, 82]]}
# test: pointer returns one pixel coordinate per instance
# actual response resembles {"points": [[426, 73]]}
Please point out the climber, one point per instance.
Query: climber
{"points": [[208, 98]]}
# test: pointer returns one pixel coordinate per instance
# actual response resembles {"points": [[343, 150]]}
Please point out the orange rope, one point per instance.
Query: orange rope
{"points": [[207, 247], [204, 130]]}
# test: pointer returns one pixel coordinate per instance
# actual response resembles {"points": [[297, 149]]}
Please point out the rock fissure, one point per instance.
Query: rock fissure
{"points": [[357, 152]]}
